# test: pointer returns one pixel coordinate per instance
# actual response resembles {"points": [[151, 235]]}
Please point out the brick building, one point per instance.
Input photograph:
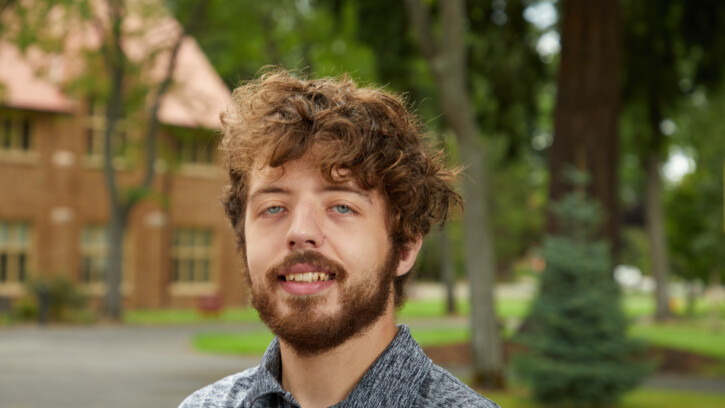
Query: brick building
{"points": [[53, 202]]}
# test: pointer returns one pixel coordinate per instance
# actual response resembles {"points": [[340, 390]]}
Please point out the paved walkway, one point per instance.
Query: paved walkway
{"points": [[128, 366], [106, 367]]}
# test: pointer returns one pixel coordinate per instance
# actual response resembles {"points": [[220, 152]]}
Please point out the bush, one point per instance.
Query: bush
{"points": [[578, 353], [25, 309], [62, 297]]}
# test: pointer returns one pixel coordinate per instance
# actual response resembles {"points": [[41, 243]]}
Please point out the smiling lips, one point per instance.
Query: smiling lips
{"points": [[305, 279], [308, 277], [303, 272]]}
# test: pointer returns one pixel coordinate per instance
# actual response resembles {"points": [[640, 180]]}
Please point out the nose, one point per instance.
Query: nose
{"points": [[304, 231]]}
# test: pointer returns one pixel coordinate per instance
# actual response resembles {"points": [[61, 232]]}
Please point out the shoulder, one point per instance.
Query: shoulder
{"points": [[225, 393], [442, 389]]}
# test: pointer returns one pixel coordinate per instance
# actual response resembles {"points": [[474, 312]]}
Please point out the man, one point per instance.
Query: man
{"points": [[332, 190]]}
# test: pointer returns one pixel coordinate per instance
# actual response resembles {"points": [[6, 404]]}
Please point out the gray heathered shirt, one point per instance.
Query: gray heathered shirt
{"points": [[403, 376]]}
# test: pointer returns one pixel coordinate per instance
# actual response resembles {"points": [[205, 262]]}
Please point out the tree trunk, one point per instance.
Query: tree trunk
{"points": [[5, 4], [715, 295], [449, 271], [120, 207], [115, 63], [656, 235], [587, 106], [447, 64], [488, 362], [690, 297], [114, 278]]}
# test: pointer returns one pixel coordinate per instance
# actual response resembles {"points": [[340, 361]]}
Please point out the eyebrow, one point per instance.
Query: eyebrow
{"points": [[268, 190], [271, 189], [348, 189]]}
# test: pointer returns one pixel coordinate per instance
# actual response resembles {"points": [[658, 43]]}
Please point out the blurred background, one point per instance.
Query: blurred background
{"points": [[586, 270]]}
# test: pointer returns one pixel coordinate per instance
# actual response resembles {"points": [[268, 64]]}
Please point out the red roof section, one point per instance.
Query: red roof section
{"points": [[21, 87], [33, 80]]}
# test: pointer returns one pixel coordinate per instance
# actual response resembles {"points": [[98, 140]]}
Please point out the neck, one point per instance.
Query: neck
{"points": [[327, 378]]}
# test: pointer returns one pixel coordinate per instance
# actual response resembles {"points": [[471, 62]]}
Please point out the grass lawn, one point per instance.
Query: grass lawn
{"points": [[696, 336], [689, 335], [188, 316], [247, 343], [641, 398], [506, 308], [634, 305], [256, 342]]}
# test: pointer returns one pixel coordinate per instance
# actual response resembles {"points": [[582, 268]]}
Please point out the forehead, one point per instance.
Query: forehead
{"points": [[306, 166], [302, 174], [296, 169]]}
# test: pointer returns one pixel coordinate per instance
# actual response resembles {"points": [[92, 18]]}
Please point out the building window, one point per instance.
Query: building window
{"points": [[14, 251], [194, 147], [16, 133], [94, 254], [196, 150], [191, 255], [94, 249], [96, 131]]}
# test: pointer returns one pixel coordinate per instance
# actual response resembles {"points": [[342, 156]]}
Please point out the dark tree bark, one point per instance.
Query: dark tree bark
{"points": [[115, 64], [446, 60], [655, 227], [5, 4], [448, 270], [588, 104], [122, 204]]}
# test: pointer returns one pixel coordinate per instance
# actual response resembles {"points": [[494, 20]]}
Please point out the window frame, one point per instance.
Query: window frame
{"points": [[17, 134], [97, 284], [94, 132], [16, 254], [192, 260]]}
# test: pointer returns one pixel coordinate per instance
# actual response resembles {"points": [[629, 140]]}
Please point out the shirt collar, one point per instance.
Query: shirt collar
{"points": [[398, 374], [267, 379]]}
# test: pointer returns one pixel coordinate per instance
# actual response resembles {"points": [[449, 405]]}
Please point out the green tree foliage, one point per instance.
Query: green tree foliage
{"points": [[673, 47], [695, 224], [506, 74], [674, 51], [240, 37], [517, 203], [690, 239], [518, 206], [578, 353]]}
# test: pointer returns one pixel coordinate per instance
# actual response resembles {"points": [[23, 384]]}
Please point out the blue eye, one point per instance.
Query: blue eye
{"points": [[343, 209], [276, 209]]}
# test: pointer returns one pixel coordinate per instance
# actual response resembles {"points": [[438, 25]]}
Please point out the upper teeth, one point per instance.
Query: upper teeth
{"points": [[308, 277]]}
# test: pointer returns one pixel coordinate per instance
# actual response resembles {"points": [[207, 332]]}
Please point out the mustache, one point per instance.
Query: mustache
{"points": [[309, 258]]}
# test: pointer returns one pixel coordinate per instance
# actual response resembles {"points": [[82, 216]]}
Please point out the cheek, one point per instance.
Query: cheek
{"points": [[258, 253], [256, 256], [366, 248]]}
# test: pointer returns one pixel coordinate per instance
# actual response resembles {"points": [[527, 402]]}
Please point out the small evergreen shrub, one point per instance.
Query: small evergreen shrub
{"points": [[577, 350]]}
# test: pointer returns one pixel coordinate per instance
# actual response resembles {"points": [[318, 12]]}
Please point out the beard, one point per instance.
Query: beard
{"points": [[309, 332]]}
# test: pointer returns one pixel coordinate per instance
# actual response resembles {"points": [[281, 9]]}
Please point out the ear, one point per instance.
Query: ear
{"points": [[408, 254]]}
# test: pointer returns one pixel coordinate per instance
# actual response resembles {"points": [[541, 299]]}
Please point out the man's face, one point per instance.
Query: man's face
{"points": [[318, 255]]}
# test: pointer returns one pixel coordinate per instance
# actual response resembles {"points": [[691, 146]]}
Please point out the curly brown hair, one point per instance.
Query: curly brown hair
{"points": [[367, 132]]}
